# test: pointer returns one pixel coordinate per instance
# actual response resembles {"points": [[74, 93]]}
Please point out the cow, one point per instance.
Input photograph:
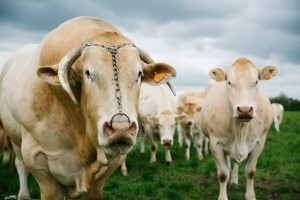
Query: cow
{"points": [[157, 119], [277, 115], [189, 106], [70, 104], [236, 117]]}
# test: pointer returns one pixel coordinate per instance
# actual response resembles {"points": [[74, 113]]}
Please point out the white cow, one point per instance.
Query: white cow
{"points": [[189, 109], [157, 119], [277, 115], [70, 103], [236, 117]]}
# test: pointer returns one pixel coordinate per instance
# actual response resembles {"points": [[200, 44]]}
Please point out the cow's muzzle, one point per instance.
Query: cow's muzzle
{"points": [[245, 113], [120, 132]]}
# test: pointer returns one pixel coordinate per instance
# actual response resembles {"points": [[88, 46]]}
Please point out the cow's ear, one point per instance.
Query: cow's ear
{"points": [[198, 109], [267, 73], [179, 109], [158, 73], [218, 74], [49, 74], [153, 120], [180, 118]]}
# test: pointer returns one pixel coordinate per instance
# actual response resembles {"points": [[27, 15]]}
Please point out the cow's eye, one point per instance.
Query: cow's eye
{"points": [[88, 74], [229, 83], [139, 76], [256, 82]]}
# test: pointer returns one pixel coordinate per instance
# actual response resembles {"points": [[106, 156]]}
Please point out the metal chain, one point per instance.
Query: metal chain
{"points": [[113, 50]]}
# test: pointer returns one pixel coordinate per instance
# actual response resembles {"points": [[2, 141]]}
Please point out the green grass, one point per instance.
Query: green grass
{"points": [[277, 176]]}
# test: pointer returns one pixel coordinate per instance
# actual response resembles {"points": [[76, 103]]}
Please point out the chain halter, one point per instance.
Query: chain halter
{"points": [[114, 50]]}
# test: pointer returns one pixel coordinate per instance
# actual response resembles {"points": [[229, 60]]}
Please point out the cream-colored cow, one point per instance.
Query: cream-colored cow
{"points": [[236, 116], [277, 115], [157, 119], [189, 108], [70, 104]]}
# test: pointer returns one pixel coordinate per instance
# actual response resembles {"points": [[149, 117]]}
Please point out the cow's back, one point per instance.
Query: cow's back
{"points": [[16, 79]]}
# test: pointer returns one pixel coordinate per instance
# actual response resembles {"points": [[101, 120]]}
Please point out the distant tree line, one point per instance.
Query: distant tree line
{"points": [[288, 103]]}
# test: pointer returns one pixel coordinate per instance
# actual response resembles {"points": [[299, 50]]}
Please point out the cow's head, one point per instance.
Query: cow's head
{"points": [[187, 113], [165, 122], [242, 85], [88, 74]]}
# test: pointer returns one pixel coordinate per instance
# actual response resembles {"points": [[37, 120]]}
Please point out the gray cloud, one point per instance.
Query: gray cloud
{"points": [[191, 35]]}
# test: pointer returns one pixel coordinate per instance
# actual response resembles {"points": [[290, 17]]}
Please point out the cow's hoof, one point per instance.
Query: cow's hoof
{"points": [[124, 172], [169, 163]]}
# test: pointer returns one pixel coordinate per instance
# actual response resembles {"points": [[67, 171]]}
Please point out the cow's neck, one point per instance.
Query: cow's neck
{"points": [[241, 132]]}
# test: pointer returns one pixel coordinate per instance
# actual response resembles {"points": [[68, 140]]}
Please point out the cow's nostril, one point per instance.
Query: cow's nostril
{"points": [[132, 128], [107, 129]]}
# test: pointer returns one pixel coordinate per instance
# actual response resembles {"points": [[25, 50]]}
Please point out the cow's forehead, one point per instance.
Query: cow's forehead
{"points": [[242, 70], [126, 57]]}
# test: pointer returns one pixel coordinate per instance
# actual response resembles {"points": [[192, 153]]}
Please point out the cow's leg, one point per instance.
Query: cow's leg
{"points": [[3, 137], [6, 155], [142, 137], [234, 174], [124, 167], [180, 135], [276, 123], [22, 172], [198, 142], [37, 164], [206, 145], [250, 167], [168, 155], [149, 133], [187, 147], [96, 192], [223, 169]]}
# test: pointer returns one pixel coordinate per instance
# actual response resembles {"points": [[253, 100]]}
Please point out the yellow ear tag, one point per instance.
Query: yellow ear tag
{"points": [[218, 79], [55, 79], [265, 76], [158, 77]]}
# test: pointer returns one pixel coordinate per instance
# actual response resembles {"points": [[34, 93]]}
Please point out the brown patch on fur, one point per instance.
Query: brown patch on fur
{"points": [[251, 174], [242, 61], [166, 112], [153, 148], [222, 177]]}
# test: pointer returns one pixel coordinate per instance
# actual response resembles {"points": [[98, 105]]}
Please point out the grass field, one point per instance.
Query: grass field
{"points": [[277, 176]]}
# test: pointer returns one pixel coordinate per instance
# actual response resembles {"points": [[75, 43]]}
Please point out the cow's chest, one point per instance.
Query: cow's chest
{"points": [[239, 144], [63, 164]]}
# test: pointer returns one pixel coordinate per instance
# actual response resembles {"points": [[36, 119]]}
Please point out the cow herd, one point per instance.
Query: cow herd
{"points": [[72, 107]]}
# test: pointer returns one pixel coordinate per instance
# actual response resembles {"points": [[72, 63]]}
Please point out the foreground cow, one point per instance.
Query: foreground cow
{"points": [[236, 117], [277, 115], [70, 106], [157, 119], [189, 107]]}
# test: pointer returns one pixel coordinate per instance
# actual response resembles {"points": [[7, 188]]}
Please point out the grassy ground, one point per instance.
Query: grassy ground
{"points": [[277, 176]]}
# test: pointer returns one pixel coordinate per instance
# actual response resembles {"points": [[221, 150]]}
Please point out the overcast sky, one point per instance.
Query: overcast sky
{"points": [[194, 36]]}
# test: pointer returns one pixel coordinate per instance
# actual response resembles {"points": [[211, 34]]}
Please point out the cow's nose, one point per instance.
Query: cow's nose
{"points": [[189, 122], [167, 142], [245, 111], [119, 127]]}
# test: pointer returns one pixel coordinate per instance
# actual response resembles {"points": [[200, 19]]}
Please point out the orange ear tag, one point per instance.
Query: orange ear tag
{"points": [[55, 79], [158, 77]]}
